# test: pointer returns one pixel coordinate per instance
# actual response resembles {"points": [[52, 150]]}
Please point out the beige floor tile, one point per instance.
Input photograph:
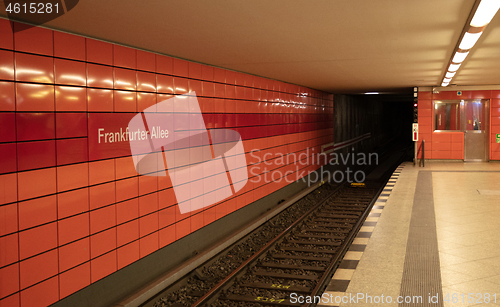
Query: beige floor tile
{"points": [[494, 279], [475, 270], [493, 261], [449, 244], [443, 234], [475, 239], [360, 241], [344, 274], [446, 259], [372, 219], [471, 252], [446, 246], [366, 229], [450, 277], [443, 223], [379, 273], [353, 255]]}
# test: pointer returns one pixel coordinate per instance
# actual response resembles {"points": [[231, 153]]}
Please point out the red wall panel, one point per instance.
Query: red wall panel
{"points": [[34, 68], [102, 242], [33, 39], [99, 76], [72, 151], [102, 218], [74, 279], [70, 98], [73, 199], [7, 65], [103, 266], [42, 294], [125, 79], [100, 100], [70, 72], [34, 97], [102, 195], [35, 241], [72, 202], [73, 254], [99, 52], [73, 228], [8, 158], [69, 46], [124, 57], [6, 34], [37, 211], [7, 96], [146, 61], [9, 249], [146, 81], [148, 244], [37, 154]]}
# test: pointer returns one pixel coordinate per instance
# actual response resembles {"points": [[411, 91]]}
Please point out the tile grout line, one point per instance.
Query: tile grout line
{"points": [[343, 275]]}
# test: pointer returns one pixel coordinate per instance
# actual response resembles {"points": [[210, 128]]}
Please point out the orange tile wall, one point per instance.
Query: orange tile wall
{"points": [[450, 145], [67, 220]]}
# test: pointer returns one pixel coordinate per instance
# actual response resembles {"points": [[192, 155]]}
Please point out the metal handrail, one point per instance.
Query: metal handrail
{"points": [[422, 161], [423, 153]]}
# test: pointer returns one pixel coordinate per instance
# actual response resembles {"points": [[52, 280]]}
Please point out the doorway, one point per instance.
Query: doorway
{"points": [[467, 116], [475, 127]]}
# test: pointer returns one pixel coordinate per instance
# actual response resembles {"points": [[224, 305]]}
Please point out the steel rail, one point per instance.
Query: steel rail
{"points": [[325, 278], [206, 298]]}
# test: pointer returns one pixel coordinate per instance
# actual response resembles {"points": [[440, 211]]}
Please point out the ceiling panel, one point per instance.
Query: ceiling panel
{"points": [[333, 45]]}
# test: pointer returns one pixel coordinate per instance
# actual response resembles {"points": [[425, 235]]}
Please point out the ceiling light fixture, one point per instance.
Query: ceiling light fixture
{"points": [[371, 93], [459, 57], [469, 40], [481, 15], [453, 67], [450, 74], [484, 13]]}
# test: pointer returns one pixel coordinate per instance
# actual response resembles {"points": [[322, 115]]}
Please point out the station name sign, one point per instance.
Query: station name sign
{"points": [[124, 135]]}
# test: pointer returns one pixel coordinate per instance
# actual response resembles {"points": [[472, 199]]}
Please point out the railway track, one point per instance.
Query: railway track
{"points": [[300, 258], [297, 252]]}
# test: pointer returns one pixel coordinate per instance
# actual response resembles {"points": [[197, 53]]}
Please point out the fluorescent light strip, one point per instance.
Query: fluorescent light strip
{"points": [[459, 57], [485, 12], [450, 74], [469, 40], [454, 67]]}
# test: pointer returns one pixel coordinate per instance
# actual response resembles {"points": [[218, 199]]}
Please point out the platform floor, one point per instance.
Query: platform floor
{"points": [[433, 230]]}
